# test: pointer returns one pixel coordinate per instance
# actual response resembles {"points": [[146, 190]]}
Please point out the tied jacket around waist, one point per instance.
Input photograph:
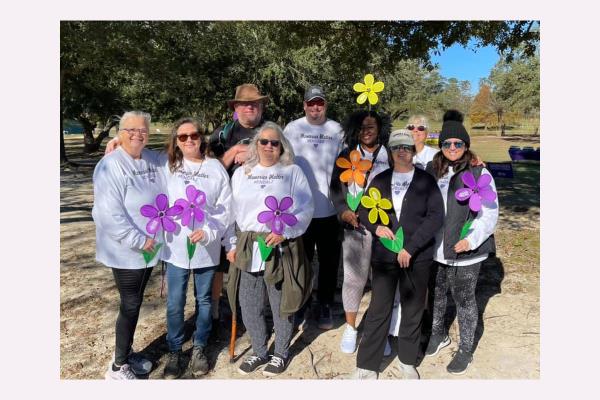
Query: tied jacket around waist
{"points": [[288, 266], [421, 216]]}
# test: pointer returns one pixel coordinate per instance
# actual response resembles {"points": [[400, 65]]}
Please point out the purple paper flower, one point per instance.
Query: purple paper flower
{"points": [[275, 218], [476, 191], [160, 216], [192, 207]]}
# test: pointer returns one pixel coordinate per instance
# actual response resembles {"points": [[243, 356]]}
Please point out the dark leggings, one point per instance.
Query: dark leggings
{"points": [[131, 284], [462, 282]]}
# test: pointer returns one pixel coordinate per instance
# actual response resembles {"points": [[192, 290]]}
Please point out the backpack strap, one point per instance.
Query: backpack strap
{"points": [[225, 132]]}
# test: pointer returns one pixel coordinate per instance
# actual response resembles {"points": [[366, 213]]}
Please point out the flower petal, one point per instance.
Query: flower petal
{"points": [[343, 163], [168, 224], [186, 217], [153, 225], [362, 98], [369, 79], [149, 211], [475, 202], [367, 202], [265, 216], [373, 98], [286, 203], [487, 194], [377, 87], [384, 217], [277, 226], [191, 193], [468, 179], [162, 202], [354, 157], [346, 176], [385, 204], [175, 210], [373, 215], [463, 194], [198, 214], [375, 194], [364, 165], [484, 180], [359, 87], [289, 219], [359, 178], [183, 203], [271, 203], [201, 199]]}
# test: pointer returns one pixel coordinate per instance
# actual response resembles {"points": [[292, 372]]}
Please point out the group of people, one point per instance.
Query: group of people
{"points": [[256, 201]]}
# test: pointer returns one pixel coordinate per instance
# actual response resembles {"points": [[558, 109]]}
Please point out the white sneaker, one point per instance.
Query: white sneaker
{"points": [[123, 373], [348, 343], [360, 373], [388, 349], [408, 371]]}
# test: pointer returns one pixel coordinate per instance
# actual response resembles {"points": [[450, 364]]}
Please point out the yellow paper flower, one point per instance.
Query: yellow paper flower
{"points": [[368, 90], [377, 205]]}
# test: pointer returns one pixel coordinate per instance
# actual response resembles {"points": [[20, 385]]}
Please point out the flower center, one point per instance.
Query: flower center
{"points": [[277, 213], [161, 214], [191, 205]]}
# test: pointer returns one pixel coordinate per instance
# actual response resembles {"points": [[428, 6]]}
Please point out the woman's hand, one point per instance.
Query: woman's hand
{"points": [[384, 231], [403, 258], [350, 218], [149, 245], [197, 236], [273, 239], [231, 256], [112, 145], [462, 246]]}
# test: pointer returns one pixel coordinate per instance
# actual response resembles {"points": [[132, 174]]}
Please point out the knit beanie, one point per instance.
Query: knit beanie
{"points": [[454, 129]]}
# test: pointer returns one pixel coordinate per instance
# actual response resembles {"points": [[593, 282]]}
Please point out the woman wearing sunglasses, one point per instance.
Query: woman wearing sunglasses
{"points": [[200, 185], [273, 206], [408, 209], [418, 126], [459, 252], [366, 133]]}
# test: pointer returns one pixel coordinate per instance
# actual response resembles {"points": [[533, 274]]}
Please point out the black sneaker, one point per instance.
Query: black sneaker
{"points": [[461, 361], [325, 319], [198, 363], [275, 366], [251, 364], [173, 368], [436, 343]]}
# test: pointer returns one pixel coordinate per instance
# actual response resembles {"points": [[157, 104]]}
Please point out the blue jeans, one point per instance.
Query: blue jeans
{"points": [[177, 282]]}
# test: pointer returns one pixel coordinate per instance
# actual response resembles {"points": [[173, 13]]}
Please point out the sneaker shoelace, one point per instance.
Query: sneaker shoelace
{"points": [[276, 362], [252, 360], [126, 372]]}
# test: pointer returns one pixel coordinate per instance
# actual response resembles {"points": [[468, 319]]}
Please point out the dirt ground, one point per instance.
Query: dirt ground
{"points": [[507, 340]]}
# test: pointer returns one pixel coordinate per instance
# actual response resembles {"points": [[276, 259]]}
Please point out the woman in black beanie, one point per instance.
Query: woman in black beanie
{"points": [[460, 249]]}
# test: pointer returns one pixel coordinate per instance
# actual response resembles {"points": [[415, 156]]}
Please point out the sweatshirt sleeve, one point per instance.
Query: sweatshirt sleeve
{"points": [[229, 239], [485, 222], [303, 204], [109, 209], [219, 217]]}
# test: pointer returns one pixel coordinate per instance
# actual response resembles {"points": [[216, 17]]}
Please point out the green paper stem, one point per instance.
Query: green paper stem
{"points": [[191, 248], [149, 255], [353, 200], [265, 251], [395, 245], [465, 229]]}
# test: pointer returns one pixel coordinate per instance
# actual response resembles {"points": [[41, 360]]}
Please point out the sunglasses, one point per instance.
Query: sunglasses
{"points": [[183, 138], [447, 144], [317, 102], [403, 147], [264, 142], [420, 128]]}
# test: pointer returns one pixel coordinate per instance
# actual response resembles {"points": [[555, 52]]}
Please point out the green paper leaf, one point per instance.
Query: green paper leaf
{"points": [[353, 201], [191, 248], [465, 229], [149, 255], [394, 245], [265, 250]]}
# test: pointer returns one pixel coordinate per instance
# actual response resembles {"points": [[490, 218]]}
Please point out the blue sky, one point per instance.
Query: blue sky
{"points": [[465, 64]]}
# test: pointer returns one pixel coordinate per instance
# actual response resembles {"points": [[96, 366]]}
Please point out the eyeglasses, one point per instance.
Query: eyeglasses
{"points": [[252, 104], [447, 144], [183, 138], [420, 128], [264, 142], [315, 102], [131, 131], [403, 147], [368, 128]]}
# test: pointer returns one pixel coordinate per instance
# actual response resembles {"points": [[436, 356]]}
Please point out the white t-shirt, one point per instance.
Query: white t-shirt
{"points": [[122, 185], [210, 177], [400, 183], [251, 190], [483, 225], [316, 148], [421, 159]]}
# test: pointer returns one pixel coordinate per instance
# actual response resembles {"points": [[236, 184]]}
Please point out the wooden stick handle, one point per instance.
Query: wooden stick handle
{"points": [[233, 337]]}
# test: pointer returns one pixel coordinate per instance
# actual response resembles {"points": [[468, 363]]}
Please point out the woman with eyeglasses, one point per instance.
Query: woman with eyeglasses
{"points": [[418, 126], [366, 133], [124, 181], [459, 251], [404, 205], [200, 185], [273, 206]]}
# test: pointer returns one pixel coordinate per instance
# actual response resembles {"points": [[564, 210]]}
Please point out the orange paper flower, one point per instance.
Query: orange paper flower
{"points": [[355, 168]]}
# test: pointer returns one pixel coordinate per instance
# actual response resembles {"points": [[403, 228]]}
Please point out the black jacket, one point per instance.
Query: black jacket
{"points": [[219, 142], [421, 217]]}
